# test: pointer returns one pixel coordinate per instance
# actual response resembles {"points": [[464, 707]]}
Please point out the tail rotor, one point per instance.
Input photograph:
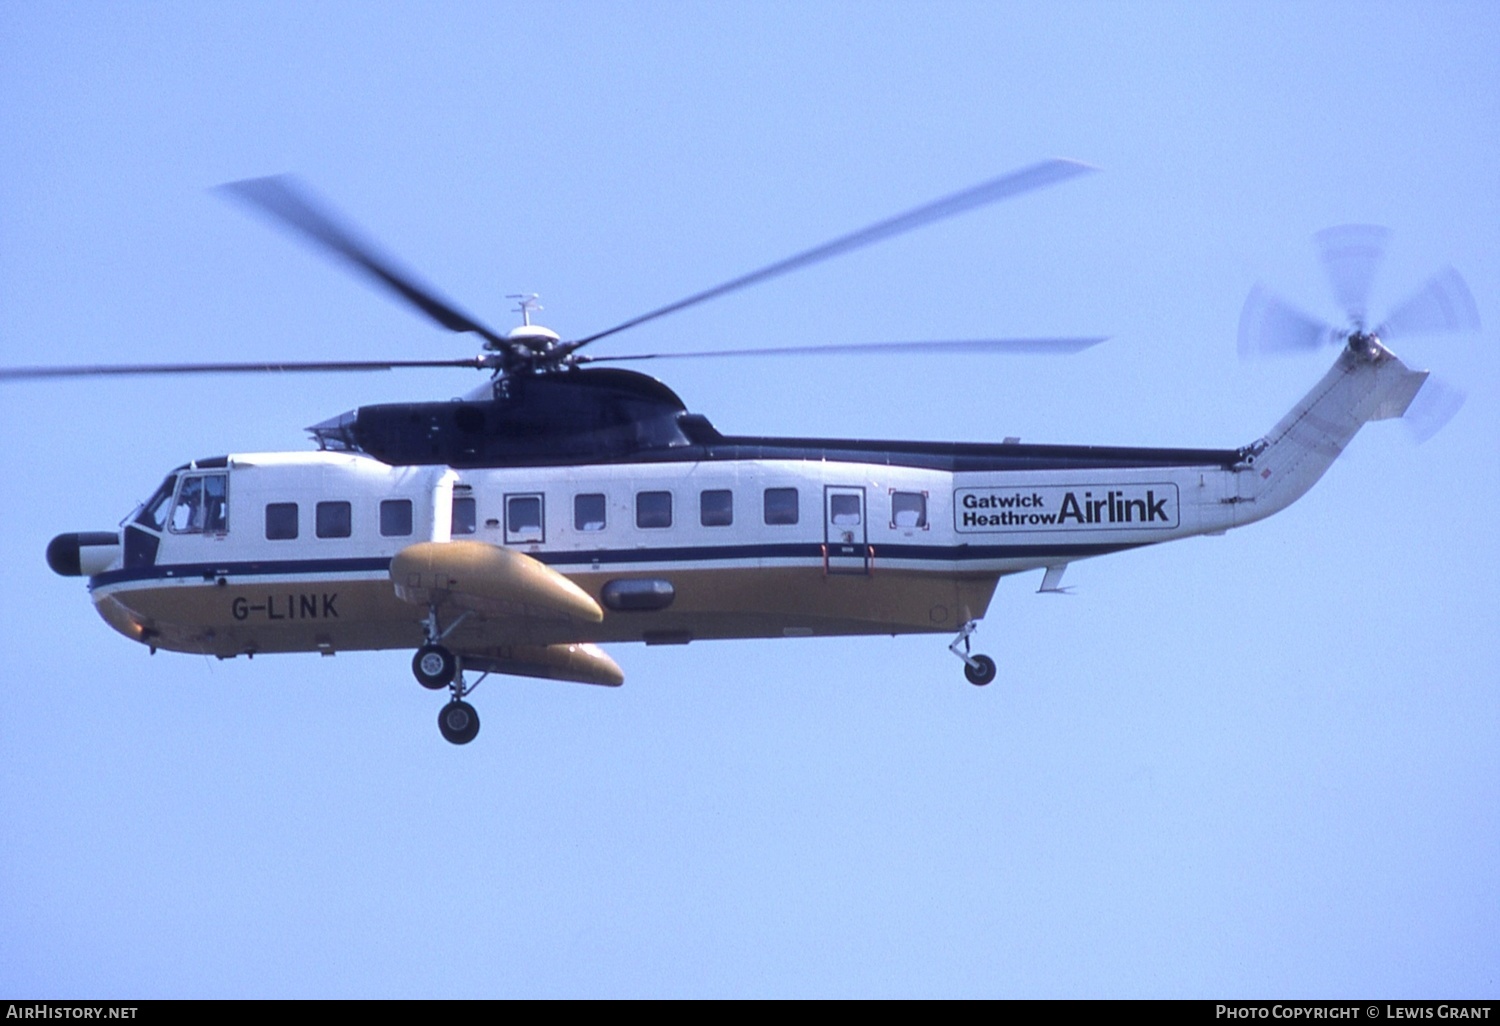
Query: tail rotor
{"points": [[1351, 255]]}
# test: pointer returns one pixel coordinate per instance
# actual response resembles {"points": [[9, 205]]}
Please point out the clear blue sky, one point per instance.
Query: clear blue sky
{"points": [[1264, 764]]}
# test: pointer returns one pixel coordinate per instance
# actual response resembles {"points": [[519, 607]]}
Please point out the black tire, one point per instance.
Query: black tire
{"points": [[982, 674], [434, 667], [459, 722]]}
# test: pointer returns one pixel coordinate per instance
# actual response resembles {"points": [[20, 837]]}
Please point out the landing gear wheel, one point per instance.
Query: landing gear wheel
{"points": [[434, 667], [459, 722], [982, 674]]}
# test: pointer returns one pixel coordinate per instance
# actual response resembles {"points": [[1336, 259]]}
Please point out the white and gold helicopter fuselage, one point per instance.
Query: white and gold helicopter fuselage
{"points": [[525, 569]]}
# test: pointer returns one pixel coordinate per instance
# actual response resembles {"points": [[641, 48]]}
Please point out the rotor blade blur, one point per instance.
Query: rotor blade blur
{"points": [[1351, 254], [1434, 406], [280, 198], [1025, 180], [1442, 304], [140, 369], [1269, 325], [981, 345]]}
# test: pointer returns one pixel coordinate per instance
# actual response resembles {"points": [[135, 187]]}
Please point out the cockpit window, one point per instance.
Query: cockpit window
{"points": [[153, 513], [202, 505]]}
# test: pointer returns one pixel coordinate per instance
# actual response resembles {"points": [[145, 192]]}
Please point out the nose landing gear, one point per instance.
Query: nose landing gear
{"points": [[979, 669]]}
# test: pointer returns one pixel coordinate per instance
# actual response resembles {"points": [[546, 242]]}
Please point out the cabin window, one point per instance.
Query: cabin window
{"points": [[781, 505], [523, 518], [653, 509], [281, 521], [716, 507], [588, 512], [202, 505], [909, 509], [395, 518], [465, 516], [333, 520]]}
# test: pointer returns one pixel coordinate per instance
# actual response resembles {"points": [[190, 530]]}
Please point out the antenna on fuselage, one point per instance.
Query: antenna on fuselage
{"points": [[528, 302]]}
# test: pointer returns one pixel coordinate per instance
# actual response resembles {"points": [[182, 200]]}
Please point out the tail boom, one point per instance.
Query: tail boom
{"points": [[1368, 382]]}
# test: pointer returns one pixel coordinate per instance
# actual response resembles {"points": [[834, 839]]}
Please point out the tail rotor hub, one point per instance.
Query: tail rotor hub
{"points": [[1364, 343]]}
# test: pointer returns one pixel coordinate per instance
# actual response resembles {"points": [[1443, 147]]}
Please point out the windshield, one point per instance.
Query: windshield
{"points": [[153, 512]]}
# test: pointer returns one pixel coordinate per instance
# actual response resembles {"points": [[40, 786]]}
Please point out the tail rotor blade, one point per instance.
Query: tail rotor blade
{"points": [[1443, 304], [1270, 326], [1351, 254], [1434, 406]]}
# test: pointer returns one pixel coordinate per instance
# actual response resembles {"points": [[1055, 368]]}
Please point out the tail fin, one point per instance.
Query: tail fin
{"points": [[1367, 383]]}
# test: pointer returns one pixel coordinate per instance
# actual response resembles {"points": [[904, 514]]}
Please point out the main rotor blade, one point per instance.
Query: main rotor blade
{"points": [[1271, 325], [1351, 253], [40, 373], [280, 198], [1034, 177], [1442, 304], [981, 345]]}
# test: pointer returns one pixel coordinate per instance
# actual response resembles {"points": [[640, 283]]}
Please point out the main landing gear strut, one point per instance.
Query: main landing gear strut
{"points": [[436, 667], [979, 669]]}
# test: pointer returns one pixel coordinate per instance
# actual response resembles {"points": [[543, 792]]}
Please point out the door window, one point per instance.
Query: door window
{"points": [[523, 519], [843, 510]]}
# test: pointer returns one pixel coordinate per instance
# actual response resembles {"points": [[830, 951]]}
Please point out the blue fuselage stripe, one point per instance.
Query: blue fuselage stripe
{"points": [[956, 554]]}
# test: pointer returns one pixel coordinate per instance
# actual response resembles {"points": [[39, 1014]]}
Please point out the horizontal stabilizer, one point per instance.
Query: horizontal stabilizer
{"points": [[1396, 399]]}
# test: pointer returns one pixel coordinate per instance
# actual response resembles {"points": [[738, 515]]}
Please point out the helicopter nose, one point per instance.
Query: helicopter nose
{"points": [[82, 552]]}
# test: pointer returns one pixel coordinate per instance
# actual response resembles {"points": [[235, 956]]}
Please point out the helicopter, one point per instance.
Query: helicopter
{"points": [[565, 503]]}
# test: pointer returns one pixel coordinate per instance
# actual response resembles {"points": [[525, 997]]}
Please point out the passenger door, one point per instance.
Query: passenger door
{"points": [[846, 539]]}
